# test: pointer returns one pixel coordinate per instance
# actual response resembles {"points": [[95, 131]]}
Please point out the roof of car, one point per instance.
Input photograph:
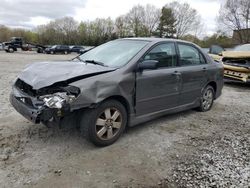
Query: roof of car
{"points": [[155, 39]]}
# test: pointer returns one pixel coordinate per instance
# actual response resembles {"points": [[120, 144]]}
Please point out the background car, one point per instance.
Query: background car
{"points": [[236, 62], [242, 48], [86, 49], [1, 46], [76, 49], [58, 49]]}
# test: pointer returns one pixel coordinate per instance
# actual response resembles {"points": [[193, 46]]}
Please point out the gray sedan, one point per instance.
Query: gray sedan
{"points": [[120, 83]]}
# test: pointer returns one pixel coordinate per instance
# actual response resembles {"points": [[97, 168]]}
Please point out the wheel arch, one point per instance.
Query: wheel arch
{"points": [[122, 100], [214, 85]]}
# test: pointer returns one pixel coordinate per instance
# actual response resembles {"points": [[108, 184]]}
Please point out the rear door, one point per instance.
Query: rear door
{"points": [[158, 89], [193, 68]]}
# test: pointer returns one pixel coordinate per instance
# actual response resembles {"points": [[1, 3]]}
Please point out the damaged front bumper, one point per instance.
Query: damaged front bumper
{"points": [[32, 108], [237, 73]]}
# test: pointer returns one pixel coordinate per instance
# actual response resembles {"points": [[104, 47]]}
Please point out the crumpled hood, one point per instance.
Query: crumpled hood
{"points": [[42, 74], [236, 54]]}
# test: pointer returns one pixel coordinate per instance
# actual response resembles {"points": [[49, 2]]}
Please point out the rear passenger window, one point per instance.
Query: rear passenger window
{"points": [[165, 54], [189, 55]]}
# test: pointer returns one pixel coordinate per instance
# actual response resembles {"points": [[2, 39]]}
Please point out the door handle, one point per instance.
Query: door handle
{"points": [[177, 74], [204, 69]]}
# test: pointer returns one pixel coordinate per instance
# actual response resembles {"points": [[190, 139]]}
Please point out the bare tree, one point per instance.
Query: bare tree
{"points": [[235, 15], [186, 18], [122, 26], [96, 32], [151, 18], [67, 27], [136, 19], [5, 33]]}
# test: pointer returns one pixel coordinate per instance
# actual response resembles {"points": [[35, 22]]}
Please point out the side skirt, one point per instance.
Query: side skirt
{"points": [[135, 120]]}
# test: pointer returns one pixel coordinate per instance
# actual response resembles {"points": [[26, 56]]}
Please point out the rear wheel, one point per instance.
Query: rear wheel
{"points": [[11, 50], [207, 99], [105, 124]]}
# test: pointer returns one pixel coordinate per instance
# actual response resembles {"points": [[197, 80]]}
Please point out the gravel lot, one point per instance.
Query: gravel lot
{"points": [[189, 149]]}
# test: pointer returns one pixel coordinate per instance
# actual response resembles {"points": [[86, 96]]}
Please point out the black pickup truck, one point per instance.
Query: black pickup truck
{"points": [[14, 44], [18, 42]]}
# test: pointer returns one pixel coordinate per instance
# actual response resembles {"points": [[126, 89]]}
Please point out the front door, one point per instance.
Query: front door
{"points": [[158, 89]]}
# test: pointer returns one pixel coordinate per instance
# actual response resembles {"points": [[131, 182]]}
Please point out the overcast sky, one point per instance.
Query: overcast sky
{"points": [[30, 13]]}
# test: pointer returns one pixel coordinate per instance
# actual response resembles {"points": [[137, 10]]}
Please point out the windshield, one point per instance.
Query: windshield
{"points": [[115, 53], [245, 47], [215, 49]]}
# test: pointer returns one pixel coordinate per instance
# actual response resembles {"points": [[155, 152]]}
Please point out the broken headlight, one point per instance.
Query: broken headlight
{"points": [[57, 100]]}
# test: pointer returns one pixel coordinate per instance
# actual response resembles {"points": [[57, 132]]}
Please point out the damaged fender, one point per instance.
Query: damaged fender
{"points": [[98, 88]]}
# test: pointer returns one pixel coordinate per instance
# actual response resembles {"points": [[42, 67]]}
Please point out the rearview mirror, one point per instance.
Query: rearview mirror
{"points": [[148, 64]]}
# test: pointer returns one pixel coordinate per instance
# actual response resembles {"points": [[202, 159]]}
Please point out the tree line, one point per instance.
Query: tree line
{"points": [[174, 20]]}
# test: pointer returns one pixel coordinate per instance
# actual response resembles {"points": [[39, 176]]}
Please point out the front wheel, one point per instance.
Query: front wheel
{"points": [[207, 99], [105, 124]]}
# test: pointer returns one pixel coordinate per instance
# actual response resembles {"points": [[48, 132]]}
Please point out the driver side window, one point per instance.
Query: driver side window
{"points": [[165, 54]]}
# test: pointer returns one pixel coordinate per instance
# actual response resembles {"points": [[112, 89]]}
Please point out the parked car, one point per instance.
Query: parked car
{"points": [[58, 49], [236, 62], [120, 83], [76, 49], [82, 51], [1, 46], [41, 49]]}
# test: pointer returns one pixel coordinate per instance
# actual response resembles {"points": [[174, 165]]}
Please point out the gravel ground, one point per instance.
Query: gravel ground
{"points": [[188, 149]]}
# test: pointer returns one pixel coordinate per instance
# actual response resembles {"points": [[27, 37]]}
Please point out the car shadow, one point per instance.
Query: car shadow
{"points": [[165, 119], [70, 135], [237, 85]]}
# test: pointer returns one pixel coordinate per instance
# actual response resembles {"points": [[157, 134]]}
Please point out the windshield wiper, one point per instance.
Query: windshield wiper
{"points": [[77, 57], [95, 62]]}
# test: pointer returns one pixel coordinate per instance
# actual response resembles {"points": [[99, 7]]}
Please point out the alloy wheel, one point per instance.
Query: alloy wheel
{"points": [[108, 123], [207, 99]]}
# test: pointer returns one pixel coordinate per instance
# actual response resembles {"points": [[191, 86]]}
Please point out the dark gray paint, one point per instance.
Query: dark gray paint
{"points": [[146, 94], [43, 74]]}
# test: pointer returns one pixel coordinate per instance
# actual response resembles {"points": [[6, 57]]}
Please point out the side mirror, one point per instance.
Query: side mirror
{"points": [[148, 64]]}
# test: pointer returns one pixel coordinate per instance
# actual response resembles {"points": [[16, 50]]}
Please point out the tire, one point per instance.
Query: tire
{"points": [[207, 99], [11, 50], [104, 124]]}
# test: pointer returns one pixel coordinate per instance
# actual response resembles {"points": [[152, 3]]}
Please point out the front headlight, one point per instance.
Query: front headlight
{"points": [[57, 100]]}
